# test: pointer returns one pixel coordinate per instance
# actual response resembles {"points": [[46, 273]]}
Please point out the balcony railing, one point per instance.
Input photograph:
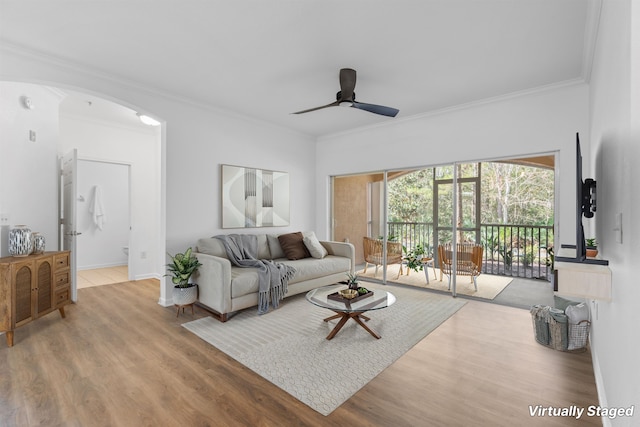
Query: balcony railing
{"points": [[509, 249]]}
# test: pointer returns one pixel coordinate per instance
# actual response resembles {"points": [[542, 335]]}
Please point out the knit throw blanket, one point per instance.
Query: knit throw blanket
{"points": [[273, 278]]}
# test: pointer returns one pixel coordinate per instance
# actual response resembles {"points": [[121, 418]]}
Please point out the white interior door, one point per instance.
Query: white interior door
{"points": [[69, 166]]}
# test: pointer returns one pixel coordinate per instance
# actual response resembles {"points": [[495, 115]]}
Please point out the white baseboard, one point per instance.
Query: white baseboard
{"points": [[147, 276], [165, 302], [93, 267]]}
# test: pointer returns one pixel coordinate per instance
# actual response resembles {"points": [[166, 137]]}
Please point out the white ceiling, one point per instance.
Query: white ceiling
{"points": [[267, 59]]}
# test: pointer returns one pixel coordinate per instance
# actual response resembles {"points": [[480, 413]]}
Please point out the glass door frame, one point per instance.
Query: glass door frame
{"points": [[385, 212], [455, 228]]}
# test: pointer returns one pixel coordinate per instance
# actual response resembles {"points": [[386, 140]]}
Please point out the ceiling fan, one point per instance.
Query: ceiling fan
{"points": [[347, 97]]}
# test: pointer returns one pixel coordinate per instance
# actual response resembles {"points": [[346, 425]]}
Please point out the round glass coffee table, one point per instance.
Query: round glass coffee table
{"points": [[327, 297]]}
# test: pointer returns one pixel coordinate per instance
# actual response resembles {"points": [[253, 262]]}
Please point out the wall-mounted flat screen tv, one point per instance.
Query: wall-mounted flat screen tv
{"points": [[585, 206]]}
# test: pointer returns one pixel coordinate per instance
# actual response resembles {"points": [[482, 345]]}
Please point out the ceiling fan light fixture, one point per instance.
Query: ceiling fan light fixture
{"points": [[346, 97], [149, 121]]}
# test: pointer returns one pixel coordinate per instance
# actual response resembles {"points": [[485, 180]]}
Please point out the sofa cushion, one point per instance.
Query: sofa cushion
{"points": [[293, 246], [313, 245], [213, 246], [263, 247], [312, 268], [274, 246], [244, 281]]}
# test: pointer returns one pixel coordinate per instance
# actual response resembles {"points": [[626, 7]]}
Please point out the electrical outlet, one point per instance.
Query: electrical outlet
{"points": [[143, 255], [4, 218], [32, 135]]}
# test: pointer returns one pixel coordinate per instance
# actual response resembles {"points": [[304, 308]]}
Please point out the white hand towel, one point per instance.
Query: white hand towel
{"points": [[96, 208]]}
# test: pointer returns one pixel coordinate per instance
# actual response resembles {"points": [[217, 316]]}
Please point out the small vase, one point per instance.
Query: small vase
{"points": [[38, 243], [20, 241]]}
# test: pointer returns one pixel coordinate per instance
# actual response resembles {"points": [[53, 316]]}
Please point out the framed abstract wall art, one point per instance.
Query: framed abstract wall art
{"points": [[254, 197]]}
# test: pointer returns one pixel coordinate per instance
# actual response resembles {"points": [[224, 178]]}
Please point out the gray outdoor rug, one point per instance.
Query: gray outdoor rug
{"points": [[288, 346]]}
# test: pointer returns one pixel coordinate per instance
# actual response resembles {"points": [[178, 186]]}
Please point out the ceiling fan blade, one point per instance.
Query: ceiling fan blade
{"points": [[347, 84], [377, 109], [333, 104]]}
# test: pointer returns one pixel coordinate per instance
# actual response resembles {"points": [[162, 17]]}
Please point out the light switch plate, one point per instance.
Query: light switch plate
{"points": [[618, 228]]}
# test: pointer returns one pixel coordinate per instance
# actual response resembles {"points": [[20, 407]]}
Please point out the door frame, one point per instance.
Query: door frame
{"points": [[67, 238]]}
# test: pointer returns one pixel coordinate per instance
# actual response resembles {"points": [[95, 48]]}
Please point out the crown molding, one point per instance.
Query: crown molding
{"points": [[592, 25], [130, 85]]}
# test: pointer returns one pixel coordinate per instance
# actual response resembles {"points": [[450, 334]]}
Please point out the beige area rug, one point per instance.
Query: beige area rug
{"points": [[288, 346], [489, 286]]}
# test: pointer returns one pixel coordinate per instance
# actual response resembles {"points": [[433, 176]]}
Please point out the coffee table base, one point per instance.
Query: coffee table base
{"points": [[344, 317]]}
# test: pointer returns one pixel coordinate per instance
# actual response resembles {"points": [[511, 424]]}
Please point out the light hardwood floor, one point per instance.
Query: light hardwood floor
{"points": [[120, 359]]}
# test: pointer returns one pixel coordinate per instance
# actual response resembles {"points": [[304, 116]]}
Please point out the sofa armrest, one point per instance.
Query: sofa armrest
{"points": [[214, 282], [343, 249]]}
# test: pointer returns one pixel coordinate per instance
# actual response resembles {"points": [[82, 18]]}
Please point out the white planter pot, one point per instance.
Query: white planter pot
{"points": [[185, 296]]}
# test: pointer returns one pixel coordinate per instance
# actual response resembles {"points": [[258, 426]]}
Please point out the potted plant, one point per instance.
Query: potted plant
{"points": [[182, 266], [592, 247], [413, 257], [352, 281]]}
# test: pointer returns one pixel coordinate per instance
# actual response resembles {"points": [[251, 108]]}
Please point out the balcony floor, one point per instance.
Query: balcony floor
{"points": [[519, 292]]}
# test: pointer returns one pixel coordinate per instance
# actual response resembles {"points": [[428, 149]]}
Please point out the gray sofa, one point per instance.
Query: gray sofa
{"points": [[224, 288]]}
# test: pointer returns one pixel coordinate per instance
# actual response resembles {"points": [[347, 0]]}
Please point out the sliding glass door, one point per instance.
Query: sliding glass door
{"points": [[457, 209], [395, 217]]}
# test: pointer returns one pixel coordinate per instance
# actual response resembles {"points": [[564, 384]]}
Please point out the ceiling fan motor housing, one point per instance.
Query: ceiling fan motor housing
{"points": [[339, 96]]}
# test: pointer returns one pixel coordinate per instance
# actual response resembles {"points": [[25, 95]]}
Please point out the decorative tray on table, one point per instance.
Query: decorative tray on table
{"points": [[337, 297]]}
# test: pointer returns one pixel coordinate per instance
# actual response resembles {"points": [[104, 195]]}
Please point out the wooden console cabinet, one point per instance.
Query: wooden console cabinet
{"points": [[31, 287]]}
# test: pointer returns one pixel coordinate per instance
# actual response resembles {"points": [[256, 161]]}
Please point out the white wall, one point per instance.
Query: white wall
{"points": [[141, 149], [28, 170], [196, 140], [615, 156], [540, 122], [203, 141], [103, 239]]}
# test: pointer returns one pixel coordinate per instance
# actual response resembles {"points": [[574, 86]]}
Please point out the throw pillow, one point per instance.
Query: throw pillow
{"points": [[293, 246], [313, 245], [274, 246]]}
